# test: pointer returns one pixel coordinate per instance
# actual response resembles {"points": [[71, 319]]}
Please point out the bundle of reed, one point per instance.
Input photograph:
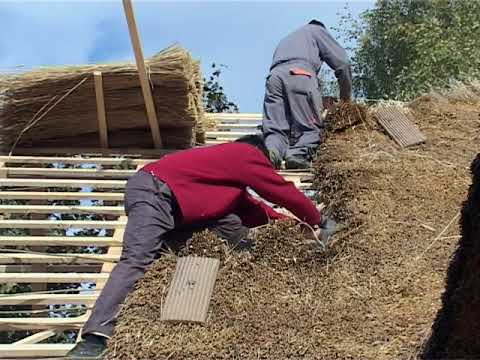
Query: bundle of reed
{"points": [[343, 115], [56, 103]]}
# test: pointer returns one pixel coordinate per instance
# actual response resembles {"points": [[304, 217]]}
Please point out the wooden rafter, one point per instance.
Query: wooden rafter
{"points": [[142, 73]]}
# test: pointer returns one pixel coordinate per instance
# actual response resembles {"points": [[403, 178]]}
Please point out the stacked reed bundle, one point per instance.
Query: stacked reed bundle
{"points": [[64, 101]]}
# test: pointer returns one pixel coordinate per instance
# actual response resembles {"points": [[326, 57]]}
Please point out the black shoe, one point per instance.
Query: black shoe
{"points": [[91, 347], [293, 163], [275, 159]]}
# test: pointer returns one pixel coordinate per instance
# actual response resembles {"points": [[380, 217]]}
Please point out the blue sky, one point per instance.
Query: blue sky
{"points": [[241, 35]]}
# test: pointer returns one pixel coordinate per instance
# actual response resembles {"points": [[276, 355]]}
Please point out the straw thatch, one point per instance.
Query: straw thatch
{"points": [[344, 115], [62, 105]]}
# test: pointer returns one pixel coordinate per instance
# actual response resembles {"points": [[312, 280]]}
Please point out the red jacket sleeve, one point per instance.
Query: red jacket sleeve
{"points": [[255, 212], [258, 173]]}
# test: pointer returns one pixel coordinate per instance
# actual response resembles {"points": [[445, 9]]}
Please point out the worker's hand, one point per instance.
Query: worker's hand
{"points": [[324, 115], [323, 232], [320, 207], [315, 233], [328, 228], [318, 234]]}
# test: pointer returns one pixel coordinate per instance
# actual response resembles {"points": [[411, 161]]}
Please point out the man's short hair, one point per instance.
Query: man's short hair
{"points": [[255, 140], [316, 22]]}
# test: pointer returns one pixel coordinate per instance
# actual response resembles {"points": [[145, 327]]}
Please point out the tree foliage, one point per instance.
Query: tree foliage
{"points": [[405, 47], [214, 97]]}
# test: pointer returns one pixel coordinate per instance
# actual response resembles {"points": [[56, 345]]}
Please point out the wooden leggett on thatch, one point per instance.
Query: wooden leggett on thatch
{"points": [[58, 106]]}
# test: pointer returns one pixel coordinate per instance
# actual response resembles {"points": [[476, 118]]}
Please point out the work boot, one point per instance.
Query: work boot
{"points": [[91, 347], [293, 163], [275, 159]]}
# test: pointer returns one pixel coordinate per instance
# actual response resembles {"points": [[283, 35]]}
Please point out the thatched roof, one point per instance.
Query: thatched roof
{"points": [[61, 103]]}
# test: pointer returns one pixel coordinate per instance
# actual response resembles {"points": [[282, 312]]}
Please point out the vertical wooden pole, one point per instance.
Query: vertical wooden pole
{"points": [[102, 119], [142, 73]]}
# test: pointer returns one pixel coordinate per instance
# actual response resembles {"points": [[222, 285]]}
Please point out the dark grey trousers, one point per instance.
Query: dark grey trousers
{"points": [[151, 228], [291, 113]]}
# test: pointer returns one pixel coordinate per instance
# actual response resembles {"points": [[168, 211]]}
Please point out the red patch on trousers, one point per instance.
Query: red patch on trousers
{"points": [[300, 71]]}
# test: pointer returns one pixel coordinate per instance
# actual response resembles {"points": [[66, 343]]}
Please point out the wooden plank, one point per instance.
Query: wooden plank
{"points": [[51, 277], [62, 268], [89, 151], [295, 177], [67, 258], [101, 117], [110, 184], [48, 299], [35, 338], [73, 160], [399, 127], [15, 268], [35, 351], [296, 171], [189, 294], [60, 224], [217, 142], [71, 173], [142, 73], [234, 116], [41, 323], [58, 241], [227, 134], [235, 127], [61, 209], [51, 195]]}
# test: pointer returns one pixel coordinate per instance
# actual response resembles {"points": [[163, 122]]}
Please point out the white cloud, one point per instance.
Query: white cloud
{"points": [[43, 33]]}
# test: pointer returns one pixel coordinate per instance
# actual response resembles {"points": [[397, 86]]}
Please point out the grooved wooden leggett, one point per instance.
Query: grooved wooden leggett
{"points": [[191, 289], [399, 127]]}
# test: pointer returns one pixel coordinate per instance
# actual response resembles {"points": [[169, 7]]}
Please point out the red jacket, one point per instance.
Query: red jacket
{"points": [[211, 182]]}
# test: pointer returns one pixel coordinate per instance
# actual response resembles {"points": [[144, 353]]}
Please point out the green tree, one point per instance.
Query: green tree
{"points": [[214, 97], [405, 47]]}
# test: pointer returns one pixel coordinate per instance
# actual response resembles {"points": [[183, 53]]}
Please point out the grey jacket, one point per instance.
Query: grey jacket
{"points": [[313, 44]]}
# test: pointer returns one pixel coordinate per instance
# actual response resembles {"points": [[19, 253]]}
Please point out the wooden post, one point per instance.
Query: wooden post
{"points": [[142, 73], [102, 120]]}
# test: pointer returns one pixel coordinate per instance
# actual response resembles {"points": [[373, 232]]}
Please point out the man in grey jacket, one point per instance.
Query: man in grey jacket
{"points": [[292, 124]]}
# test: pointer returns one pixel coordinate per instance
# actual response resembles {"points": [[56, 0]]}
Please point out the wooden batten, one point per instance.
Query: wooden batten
{"points": [[101, 115]]}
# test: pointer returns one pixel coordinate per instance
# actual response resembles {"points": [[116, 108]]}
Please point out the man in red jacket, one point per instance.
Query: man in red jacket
{"points": [[198, 188]]}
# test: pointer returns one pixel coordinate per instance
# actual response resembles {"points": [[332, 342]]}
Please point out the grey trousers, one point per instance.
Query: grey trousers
{"points": [[291, 123], [151, 228]]}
